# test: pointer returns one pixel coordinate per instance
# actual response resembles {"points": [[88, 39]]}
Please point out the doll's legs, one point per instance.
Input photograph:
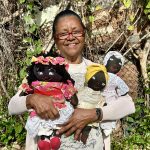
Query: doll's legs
{"points": [[44, 143], [51, 142], [107, 143]]}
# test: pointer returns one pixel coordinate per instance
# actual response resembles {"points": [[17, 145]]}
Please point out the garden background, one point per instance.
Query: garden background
{"points": [[121, 25]]}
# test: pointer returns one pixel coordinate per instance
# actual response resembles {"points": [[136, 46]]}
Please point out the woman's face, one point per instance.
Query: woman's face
{"points": [[69, 36]]}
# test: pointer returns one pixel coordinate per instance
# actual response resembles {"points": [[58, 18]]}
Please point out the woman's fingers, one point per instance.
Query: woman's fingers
{"points": [[43, 105], [71, 131], [54, 112], [79, 119], [77, 134], [64, 127]]}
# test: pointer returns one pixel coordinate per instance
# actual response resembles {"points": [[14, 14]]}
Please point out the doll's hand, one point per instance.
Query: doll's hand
{"points": [[79, 119], [43, 105]]}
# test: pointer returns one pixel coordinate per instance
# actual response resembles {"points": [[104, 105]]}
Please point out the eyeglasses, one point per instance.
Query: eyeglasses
{"points": [[63, 36]]}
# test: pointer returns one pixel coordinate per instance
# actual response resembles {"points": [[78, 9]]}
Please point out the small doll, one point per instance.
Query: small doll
{"points": [[115, 88], [90, 95], [49, 76]]}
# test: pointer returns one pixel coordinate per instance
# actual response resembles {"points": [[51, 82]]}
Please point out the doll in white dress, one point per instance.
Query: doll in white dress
{"points": [[90, 95], [115, 88]]}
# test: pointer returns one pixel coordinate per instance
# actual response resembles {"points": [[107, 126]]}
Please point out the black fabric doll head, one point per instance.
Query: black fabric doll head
{"points": [[113, 61], [48, 69], [96, 77]]}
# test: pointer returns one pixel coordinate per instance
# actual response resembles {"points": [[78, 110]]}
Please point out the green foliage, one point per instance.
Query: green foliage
{"points": [[32, 38], [11, 130], [147, 8], [91, 19], [11, 127], [127, 3], [137, 129]]}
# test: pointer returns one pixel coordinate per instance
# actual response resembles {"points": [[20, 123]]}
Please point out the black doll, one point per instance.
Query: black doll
{"points": [[49, 76], [115, 88], [90, 96]]}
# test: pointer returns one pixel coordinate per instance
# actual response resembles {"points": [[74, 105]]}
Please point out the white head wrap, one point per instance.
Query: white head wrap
{"points": [[116, 54]]}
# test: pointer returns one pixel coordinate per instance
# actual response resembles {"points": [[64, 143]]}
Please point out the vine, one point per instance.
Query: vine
{"points": [[31, 38]]}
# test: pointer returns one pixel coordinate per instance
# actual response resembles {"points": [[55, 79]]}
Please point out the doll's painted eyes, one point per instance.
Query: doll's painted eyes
{"points": [[51, 73], [103, 84], [93, 78], [40, 73]]}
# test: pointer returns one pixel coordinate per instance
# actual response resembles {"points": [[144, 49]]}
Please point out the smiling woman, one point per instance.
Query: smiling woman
{"points": [[69, 36]]}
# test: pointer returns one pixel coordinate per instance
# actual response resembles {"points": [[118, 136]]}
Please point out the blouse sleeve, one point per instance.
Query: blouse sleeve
{"points": [[120, 108], [17, 104]]}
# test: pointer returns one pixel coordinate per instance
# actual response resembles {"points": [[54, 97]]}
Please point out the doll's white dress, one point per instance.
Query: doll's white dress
{"points": [[115, 88]]}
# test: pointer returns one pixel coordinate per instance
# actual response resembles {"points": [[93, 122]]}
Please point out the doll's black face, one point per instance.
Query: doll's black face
{"points": [[97, 82], [114, 65], [46, 73]]}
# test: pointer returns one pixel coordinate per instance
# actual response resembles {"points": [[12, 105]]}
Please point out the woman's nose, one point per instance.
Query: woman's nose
{"points": [[70, 37]]}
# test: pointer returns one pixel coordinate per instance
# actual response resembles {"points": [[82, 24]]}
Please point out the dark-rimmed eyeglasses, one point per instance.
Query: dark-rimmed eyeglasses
{"points": [[63, 36]]}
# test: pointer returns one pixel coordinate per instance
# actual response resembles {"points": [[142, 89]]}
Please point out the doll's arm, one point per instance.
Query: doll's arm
{"points": [[122, 88], [74, 100]]}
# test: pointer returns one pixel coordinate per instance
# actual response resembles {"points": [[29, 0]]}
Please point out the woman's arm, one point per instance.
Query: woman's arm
{"points": [[43, 105], [118, 109], [81, 117]]}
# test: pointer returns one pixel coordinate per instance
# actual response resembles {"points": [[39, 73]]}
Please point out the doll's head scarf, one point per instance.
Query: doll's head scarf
{"points": [[116, 54], [93, 69]]}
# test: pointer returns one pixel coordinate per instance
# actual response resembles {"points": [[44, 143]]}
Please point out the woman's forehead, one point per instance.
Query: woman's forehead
{"points": [[68, 22]]}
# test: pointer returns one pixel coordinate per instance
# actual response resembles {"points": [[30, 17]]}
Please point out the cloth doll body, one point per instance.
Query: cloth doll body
{"points": [[90, 95], [115, 88], [48, 76]]}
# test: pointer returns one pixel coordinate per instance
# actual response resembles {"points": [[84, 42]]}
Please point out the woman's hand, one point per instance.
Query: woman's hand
{"points": [[43, 105], [79, 119]]}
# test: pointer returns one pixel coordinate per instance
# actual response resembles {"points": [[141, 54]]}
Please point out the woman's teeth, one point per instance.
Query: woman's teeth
{"points": [[71, 45]]}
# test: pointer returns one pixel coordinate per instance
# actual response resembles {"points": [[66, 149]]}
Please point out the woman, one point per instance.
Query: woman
{"points": [[69, 36]]}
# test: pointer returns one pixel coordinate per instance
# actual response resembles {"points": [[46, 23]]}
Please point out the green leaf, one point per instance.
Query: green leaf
{"points": [[18, 128], [131, 17], [28, 19], [10, 137], [140, 101], [91, 19], [22, 1], [28, 61], [23, 73], [127, 3], [130, 119], [33, 28], [98, 7], [148, 5], [30, 6], [29, 53], [27, 40], [130, 28], [146, 11]]}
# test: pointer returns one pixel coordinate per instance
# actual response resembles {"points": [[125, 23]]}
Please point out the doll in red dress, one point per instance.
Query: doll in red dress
{"points": [[49, 76]]}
